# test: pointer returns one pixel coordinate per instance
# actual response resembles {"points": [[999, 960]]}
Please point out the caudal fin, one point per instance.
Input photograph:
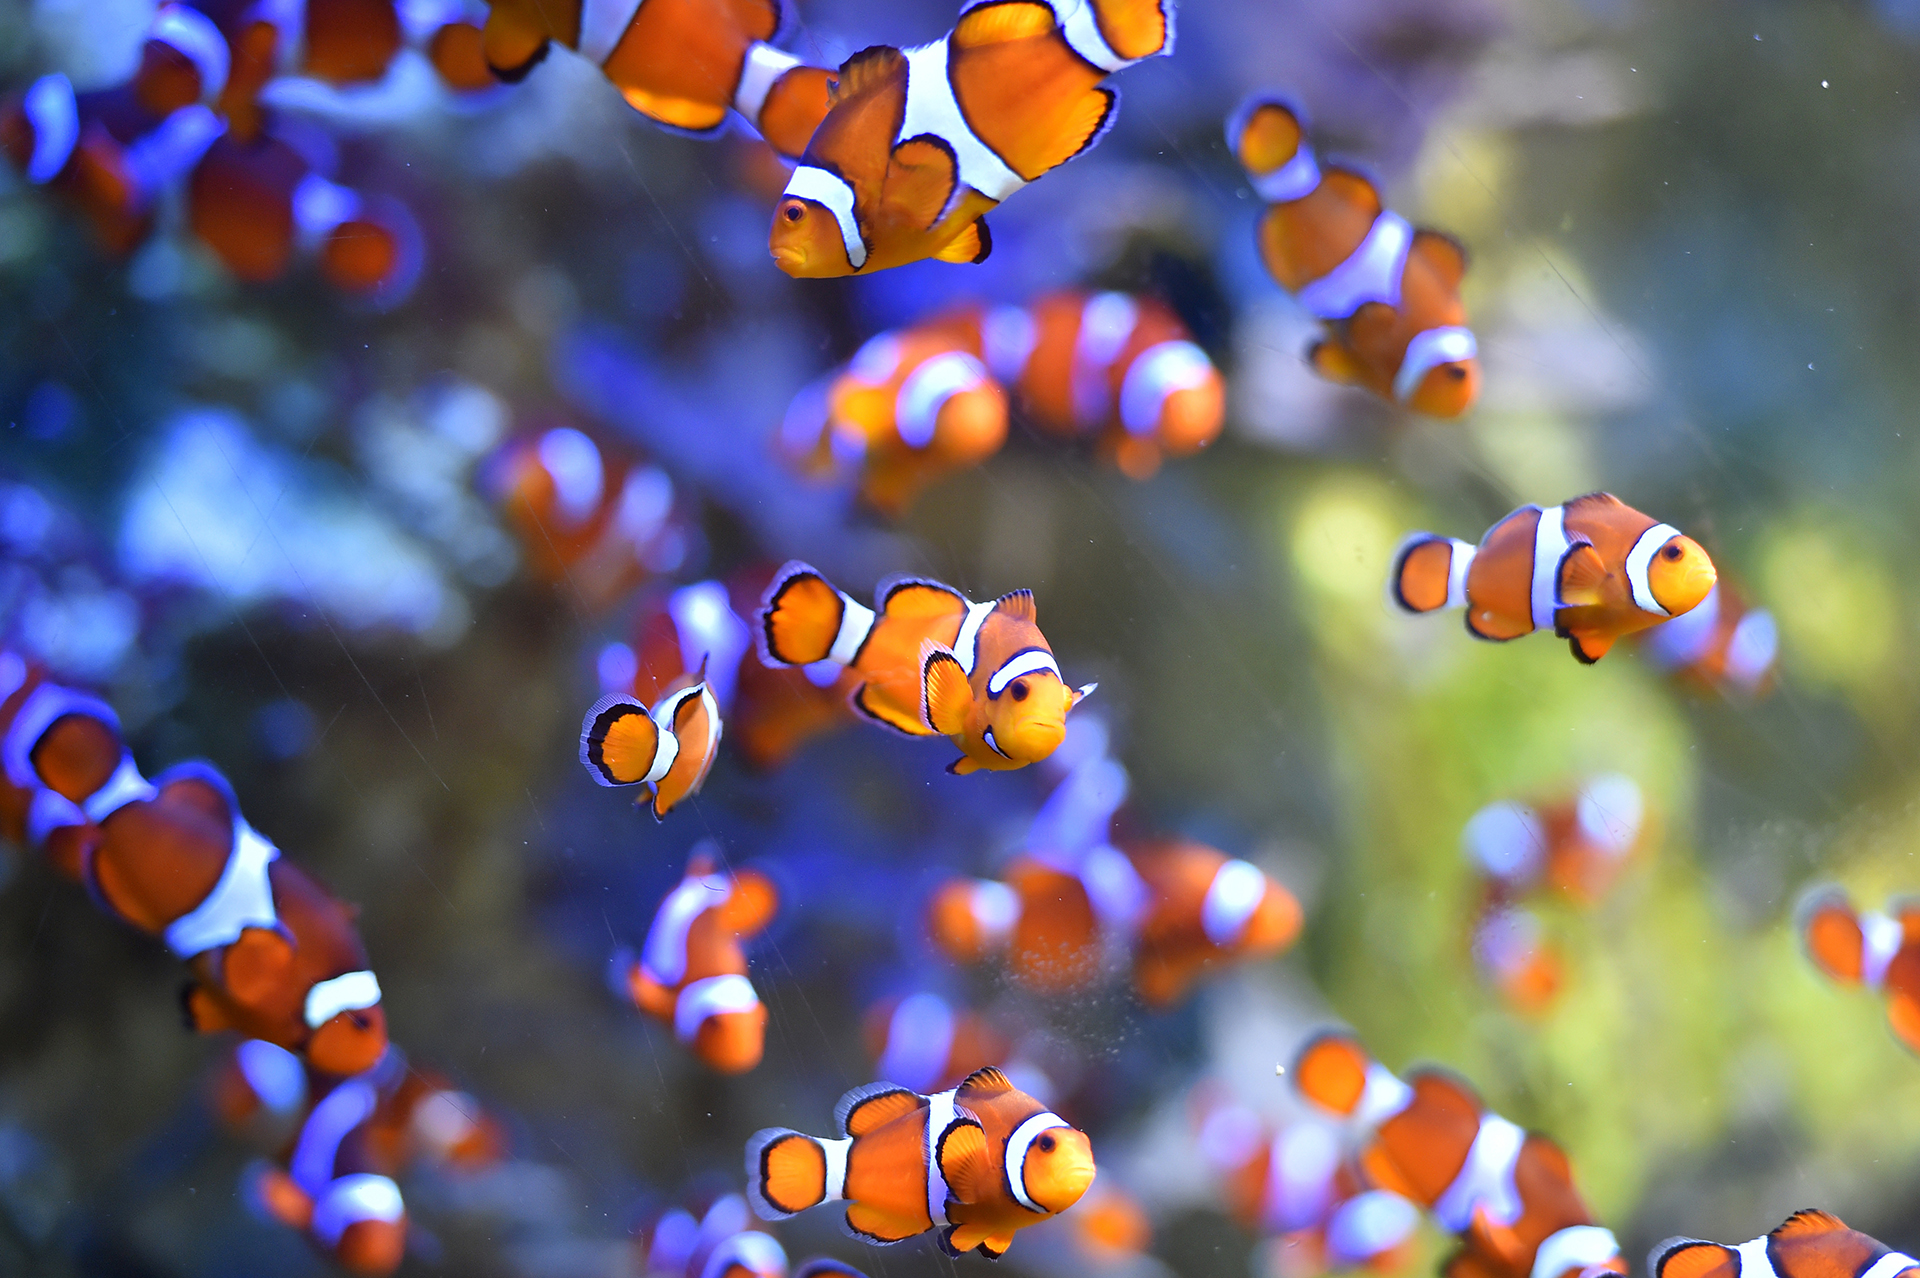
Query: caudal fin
{"points": [[801, 617], [1268, 135], [1830, 930], [786, 1172], [619, 741], [1331, 1071], [1430, 573]]}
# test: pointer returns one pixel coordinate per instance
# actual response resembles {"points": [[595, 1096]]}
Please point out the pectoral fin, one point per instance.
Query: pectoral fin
{"points": [[965, 1163], [1334, 362], [945, 695], [1582, 573], [970, 247]]}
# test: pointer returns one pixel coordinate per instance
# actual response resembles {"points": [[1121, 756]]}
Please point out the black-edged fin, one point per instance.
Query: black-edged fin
{"points": [[1594, 499], [923, 181], [1581, 574], [865, 1108], [1692, 1258], [884, 593], [870, 67], [945, 694], [1589, 649], [945, 1239], [970, 247], [988, 1081], [886, 718], [1018, 605], [1807, 1221], [618, 741], [515, 74]]}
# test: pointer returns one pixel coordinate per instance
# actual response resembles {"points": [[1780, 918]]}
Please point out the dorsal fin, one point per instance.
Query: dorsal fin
{"points": [[1446, 255], [964, 1162], [865, 1108], [1808, 1220], [1595, 499], [988, 1080], [1018, 605], [999, 23], [871, 67], [1692, 1258]]}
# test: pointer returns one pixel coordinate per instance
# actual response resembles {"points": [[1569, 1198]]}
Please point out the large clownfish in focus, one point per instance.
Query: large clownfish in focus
{"points": [[918, 145], [1808, 1244], [1389, 294], [1878, 950], [1589, 571], [934, 663]]}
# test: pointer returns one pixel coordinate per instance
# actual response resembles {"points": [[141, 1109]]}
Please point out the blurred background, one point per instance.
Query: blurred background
{"points": [[257, 518]]}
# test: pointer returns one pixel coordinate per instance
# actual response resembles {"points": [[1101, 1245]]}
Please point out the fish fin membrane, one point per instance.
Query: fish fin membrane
{"points": [[511, 48], [786, 1172], [870, 1224], [873, 65], [964, 1161], [799, 617], [1446, 255], [1092, 116], [1581, 573], [1135, 29], [795, 105], [1002, 22], [202, 1014], [989, 1080], [618, 740], [1335, 362], [872, 705], [875, 1105], [1331, 1071], [918, 598], [922, 180], [969, 248], [1598, 500], [1806, 1222], [1494, 628], [1590, 648], [1692, 1258], [962, 767], [945, 694], [676, 113], [698, 730], [1019, 605], [1270, 134], [1422, 572]]}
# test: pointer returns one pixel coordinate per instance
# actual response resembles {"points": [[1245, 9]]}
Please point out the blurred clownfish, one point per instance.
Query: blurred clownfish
{"points": [[909, 408], [927, 1044], [1516, 959], [1722, 645], [1389, 294], [1808, 1244], [1589, 571], [1208, 910], [976, 1163], [1041, 920], [1577, 846], [1118, 368], [692, 974], [668, 749], [934, 662], [722, 1243], [681, 63], [1507, 1192], [918, 145], [1879, 951]]}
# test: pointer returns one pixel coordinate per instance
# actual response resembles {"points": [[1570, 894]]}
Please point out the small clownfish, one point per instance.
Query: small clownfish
{"points": [[909, 408], [722, 1243], [934, 663], [588, 518], [1388, 293], [669, 749], [1042, 921], [681, 63], [917, 145], [1111, 1225], [977, 1163], [1576, 846], [1118, 368], [1207, 911], [928, 1043], [692, 973], [1808, 1244], [1590, 571], [1720, 646], [1513, 957], [1879, 951], [1507, 1192]]}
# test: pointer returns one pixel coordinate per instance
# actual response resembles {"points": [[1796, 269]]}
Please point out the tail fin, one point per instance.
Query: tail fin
{"points": [[1134, 29], [803, 619], [1268, 135], [619, 741], [1830, 929], [1331, 1071], [1430, 573], [788, 1172]]}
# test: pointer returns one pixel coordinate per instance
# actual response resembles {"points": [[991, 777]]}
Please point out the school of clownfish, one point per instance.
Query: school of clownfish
{"points": [[897, 156]]}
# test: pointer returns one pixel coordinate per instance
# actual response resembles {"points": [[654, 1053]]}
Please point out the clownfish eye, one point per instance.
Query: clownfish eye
{"points": [[1045, 1144], [1672, 553], [1019, 690], [793, 212], [1456, 372]]}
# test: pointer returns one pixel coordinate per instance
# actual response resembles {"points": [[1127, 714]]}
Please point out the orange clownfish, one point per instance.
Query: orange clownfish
{"points": [[1879, 951], [1388, 293], [1589, 571], [977, 1163], [918, 145], [927, 1043], [668, 749], [909, 408], [681, 63], [1118, 368], [1722, 645], [1808, 1244], [1576, 846], [692, 973], [1208, 910], [1042, 920], [1507, 1192], [1513, 957], [934, 663]]}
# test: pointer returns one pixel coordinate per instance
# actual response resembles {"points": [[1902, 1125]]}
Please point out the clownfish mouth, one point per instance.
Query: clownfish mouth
{"points": [[790, 258]]}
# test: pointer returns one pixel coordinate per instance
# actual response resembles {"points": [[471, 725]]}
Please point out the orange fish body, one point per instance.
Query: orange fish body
{"points": [[1576, 846], [927, 1042], [977, 1163], [1721, 646], [1879, 951], [1040, 919], [933, 663], [1589, 571], [667, 750], [680, 63], [1117, 368], [1808, 1244], [917, 145], [692, 973], [1208, 910], [1389, 294]]}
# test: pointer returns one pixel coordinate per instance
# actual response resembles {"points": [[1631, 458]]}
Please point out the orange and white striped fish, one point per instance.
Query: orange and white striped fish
{"points": [[668, 749], [1722, 645], [1808, 1244], [919, 144], [1575, 845], [681, 63], [1388, 293], [1520, 963], [1509, 1193], [1589, 571], [1117, 368], [1208, 910], [1878, 950], [934, 662], [977, 1163]]}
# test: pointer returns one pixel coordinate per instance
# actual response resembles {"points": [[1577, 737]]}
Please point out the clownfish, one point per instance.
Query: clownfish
{"points": [[273, 955], [1590, 571], [909, 408], [1040, 920], [587, 518], [1513, 957], [1507, 1192], [977, 1163], [668, 749], [1208, 910], [933, 662], [1388, 293], [257, 1085], [1722, 645], [681, 63], [1117, 368], [1879, 951], [917, 145], [927, 1043], [1576, 846], [721, 1243], [692, 974], [1808, 1244]]}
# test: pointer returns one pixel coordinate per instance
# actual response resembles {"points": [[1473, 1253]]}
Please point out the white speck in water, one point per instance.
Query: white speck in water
{"points": [[1823, 84]]}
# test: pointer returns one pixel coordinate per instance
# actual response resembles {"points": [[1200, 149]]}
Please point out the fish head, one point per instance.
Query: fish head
{"points": [[806, 241], [1027, 720], [1680, 575], [1274, 923], [1447, 390], [1058, 1168], [351, 1042], [372, 1246], [732, 1042]]}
